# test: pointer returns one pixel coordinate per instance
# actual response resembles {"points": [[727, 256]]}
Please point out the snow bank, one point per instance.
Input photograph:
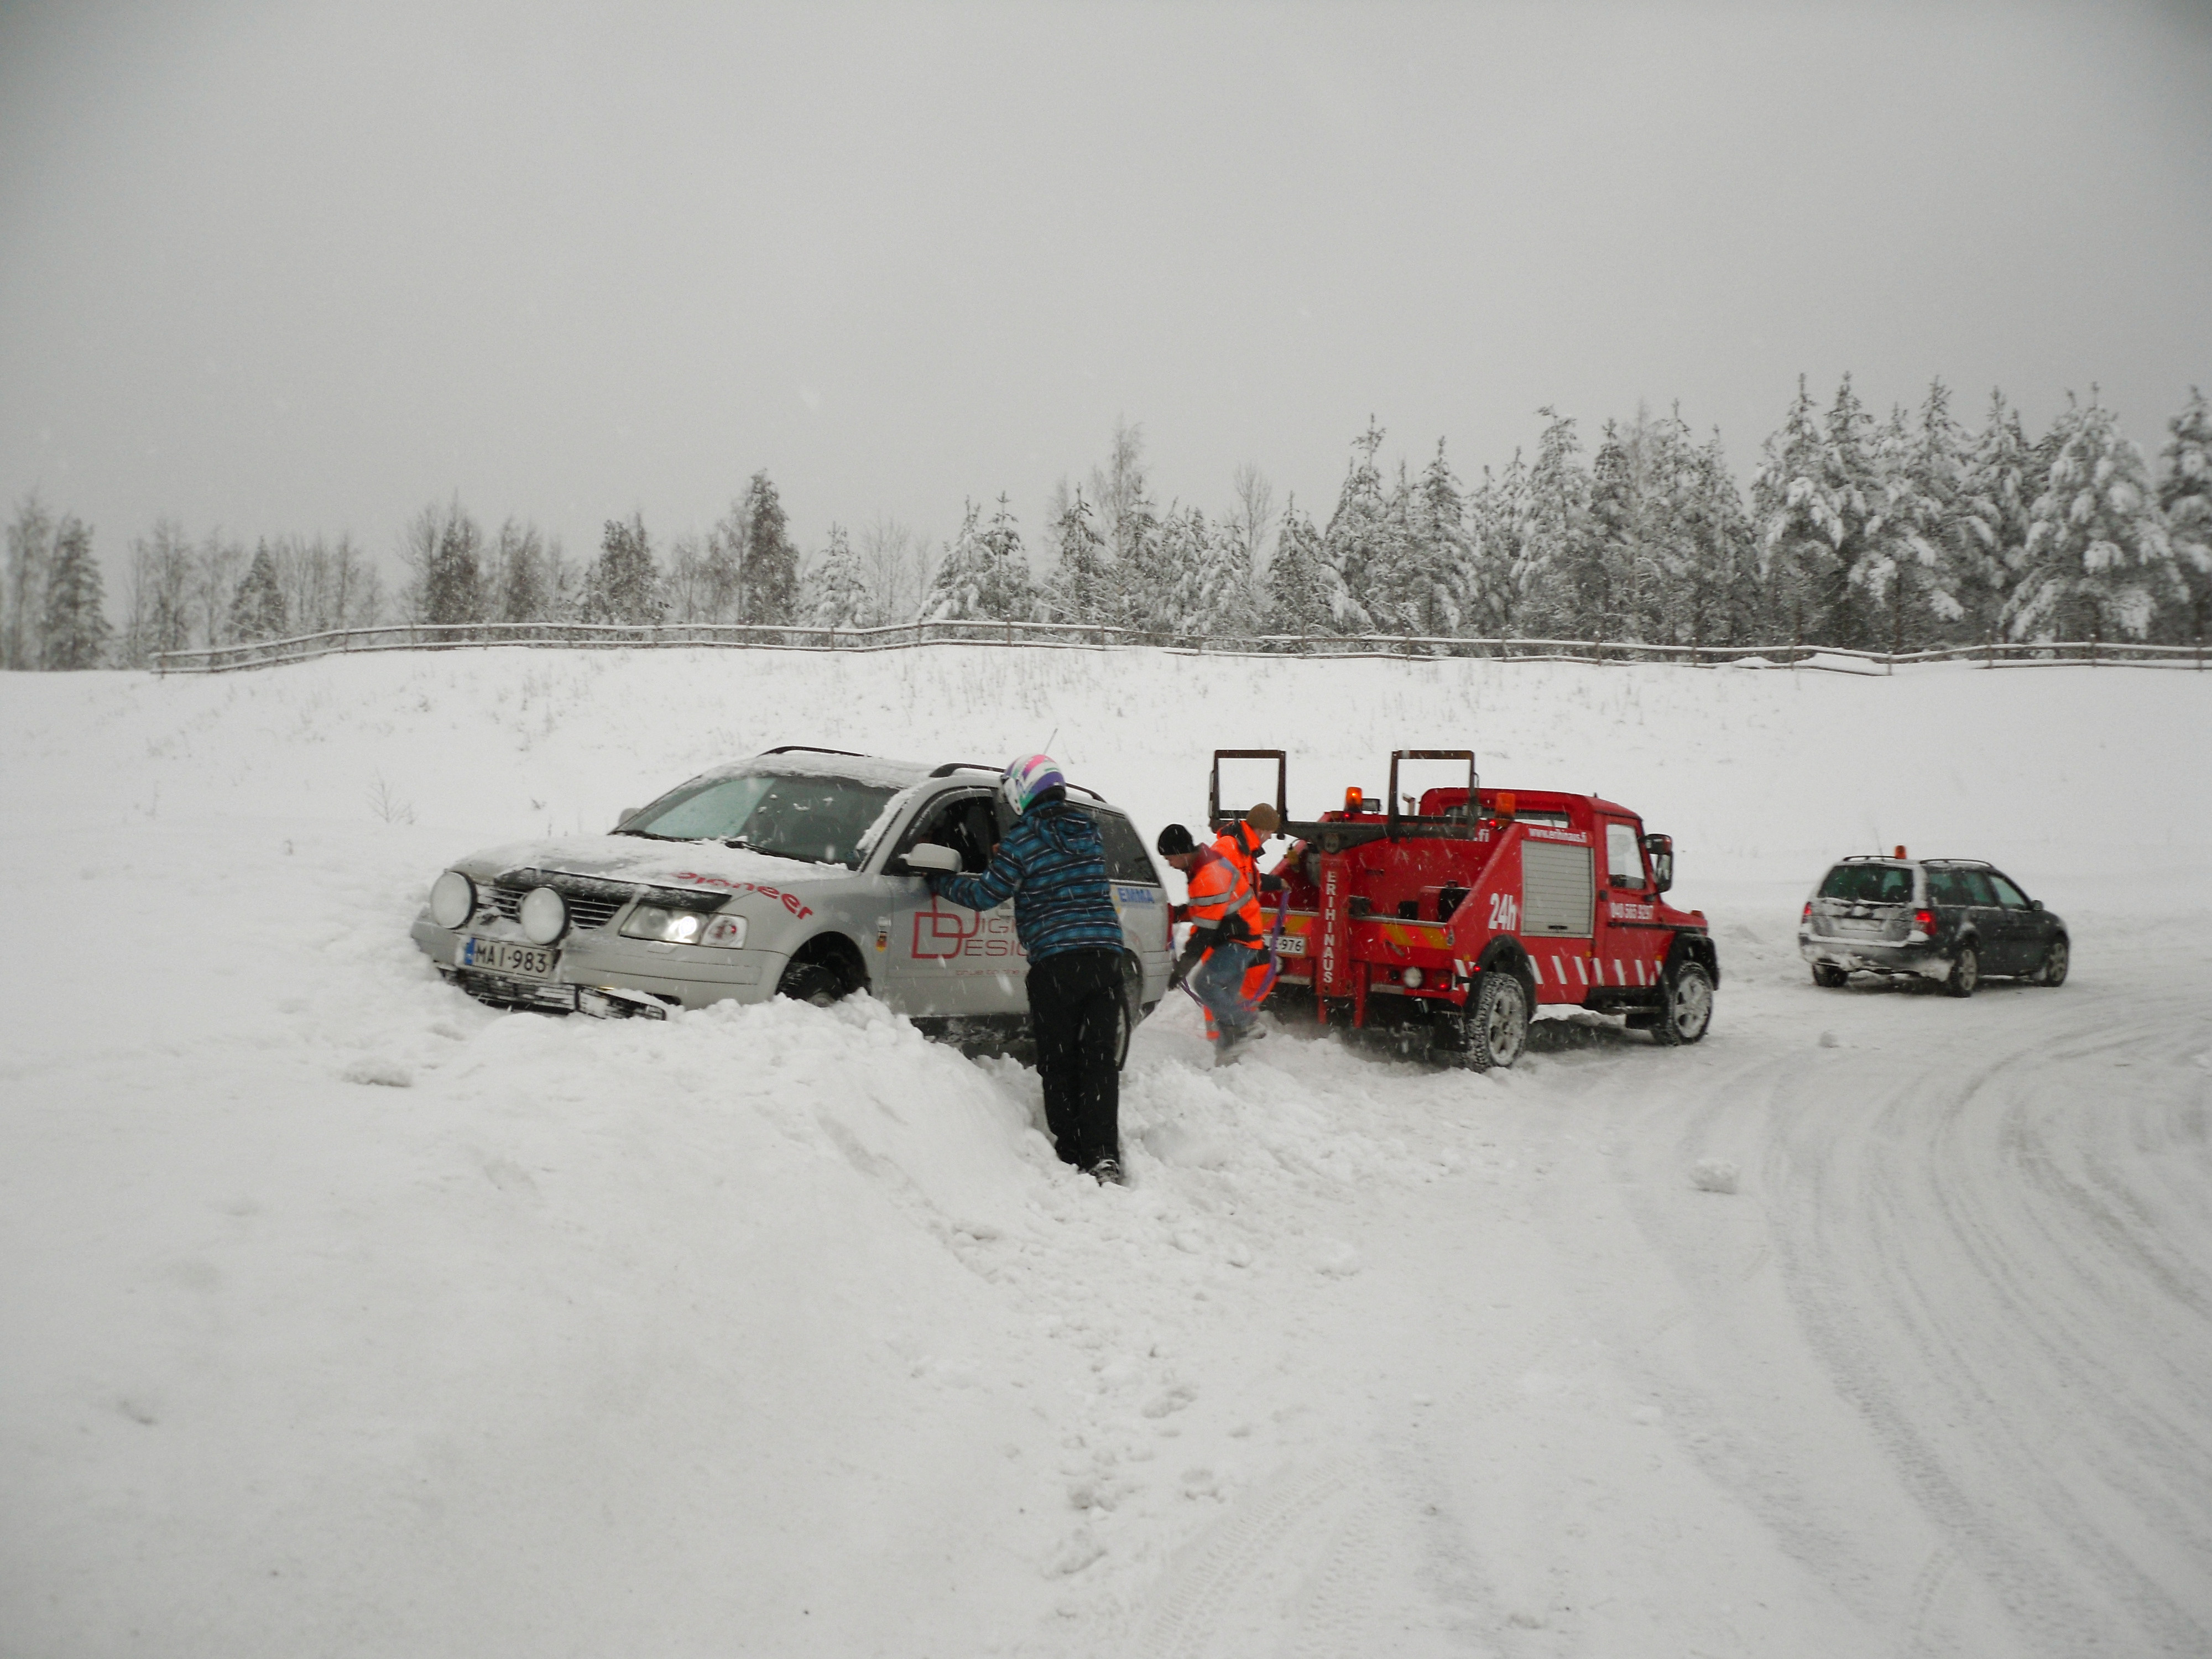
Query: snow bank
{"points": [[344, 1314]]}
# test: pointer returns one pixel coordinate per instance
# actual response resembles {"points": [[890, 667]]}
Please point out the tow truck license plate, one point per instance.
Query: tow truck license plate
{"points": [[1292, 944], [498, 956]]}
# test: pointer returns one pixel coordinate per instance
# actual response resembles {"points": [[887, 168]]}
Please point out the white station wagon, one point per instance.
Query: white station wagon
{"points": [[795, 873]]}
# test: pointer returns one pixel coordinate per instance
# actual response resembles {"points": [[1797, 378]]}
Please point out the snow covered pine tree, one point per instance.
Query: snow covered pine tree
{"points": [[74, 629]]}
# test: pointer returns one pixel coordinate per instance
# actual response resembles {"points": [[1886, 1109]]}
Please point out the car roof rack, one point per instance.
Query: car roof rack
{"points": [[814, 749], [950, 767], [1977, 864]]}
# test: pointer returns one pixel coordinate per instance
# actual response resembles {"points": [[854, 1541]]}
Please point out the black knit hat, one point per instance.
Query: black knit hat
{"points": [[1175, 839]]}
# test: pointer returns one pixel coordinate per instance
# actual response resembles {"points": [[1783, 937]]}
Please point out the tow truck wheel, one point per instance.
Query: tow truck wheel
{"points": [[1496, 1022], [1827, 974], [1965, 973], [2055, 964], [1686, 1008]]}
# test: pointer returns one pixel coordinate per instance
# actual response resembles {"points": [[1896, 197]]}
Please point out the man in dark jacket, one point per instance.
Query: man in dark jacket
{"points": [[1053, 864]]}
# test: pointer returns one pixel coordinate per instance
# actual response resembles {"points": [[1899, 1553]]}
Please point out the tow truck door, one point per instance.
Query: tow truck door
{"points": [[1631, 942]]}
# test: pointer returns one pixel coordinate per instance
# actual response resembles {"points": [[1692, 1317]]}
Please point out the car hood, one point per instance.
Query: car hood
{"points": [[707, 866]]}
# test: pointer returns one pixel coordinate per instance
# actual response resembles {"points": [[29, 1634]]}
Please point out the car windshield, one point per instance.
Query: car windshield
{"points": [[1870, 884], [809, 816]]}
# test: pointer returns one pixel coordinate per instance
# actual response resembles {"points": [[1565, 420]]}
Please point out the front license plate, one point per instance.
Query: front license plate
{"points": [[1292, 944], [498, 956]]}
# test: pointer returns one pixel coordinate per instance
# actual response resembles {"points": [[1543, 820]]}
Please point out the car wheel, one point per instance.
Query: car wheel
{"points": [[1686, 1011], [2056, 961], [1495, 1023], [813, 981], [1829, 976], [1965, 973], [1127, 1012]]}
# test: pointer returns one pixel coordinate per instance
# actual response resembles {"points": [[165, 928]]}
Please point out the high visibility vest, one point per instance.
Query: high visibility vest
{"points": [[1219, 892], [1245, 855]]}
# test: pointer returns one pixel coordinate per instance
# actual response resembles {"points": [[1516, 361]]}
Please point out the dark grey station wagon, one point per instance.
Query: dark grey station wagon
{"points": [[1952, 920]]}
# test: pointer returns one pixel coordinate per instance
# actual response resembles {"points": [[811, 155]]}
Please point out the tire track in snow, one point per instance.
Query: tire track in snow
{"points": [[2005, 1371], [1326, 1524]]}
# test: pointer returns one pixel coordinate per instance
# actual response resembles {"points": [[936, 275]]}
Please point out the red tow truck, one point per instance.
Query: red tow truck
{"points": [[1455, 916]]}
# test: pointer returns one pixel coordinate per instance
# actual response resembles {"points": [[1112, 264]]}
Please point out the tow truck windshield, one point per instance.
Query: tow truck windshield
{"points": [[791, 815]]}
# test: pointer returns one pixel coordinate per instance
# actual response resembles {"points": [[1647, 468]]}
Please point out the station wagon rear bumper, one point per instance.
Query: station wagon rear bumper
{"points": [[1855, 955]]}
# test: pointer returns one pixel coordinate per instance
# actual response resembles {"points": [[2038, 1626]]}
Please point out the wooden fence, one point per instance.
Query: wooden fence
{"points": [[447, 636]]}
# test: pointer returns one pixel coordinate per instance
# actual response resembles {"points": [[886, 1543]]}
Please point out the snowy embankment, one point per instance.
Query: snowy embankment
{"points": [[342, 1315]]}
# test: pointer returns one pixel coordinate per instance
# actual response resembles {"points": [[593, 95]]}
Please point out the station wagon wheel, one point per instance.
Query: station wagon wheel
{"points": [[2056, 961], [1828, 975], [1496, 1021], [814, 981], [1686, 1005], [1131, 1000], [1965, 973]]}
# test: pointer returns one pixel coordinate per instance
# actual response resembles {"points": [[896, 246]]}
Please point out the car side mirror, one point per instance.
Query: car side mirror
{"points": [[927, 858], [2035, 904], [1661, 851], [625, 816]]}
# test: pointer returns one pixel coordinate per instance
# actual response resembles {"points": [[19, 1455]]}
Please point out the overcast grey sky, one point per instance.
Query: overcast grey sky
{"points": [[297, 268]]}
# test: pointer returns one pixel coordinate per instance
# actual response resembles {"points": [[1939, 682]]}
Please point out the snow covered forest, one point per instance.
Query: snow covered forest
{"points": [[1905, 533]]}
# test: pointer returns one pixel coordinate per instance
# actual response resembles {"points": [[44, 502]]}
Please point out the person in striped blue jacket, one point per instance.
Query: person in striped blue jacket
{"points": [[1053, 864]]}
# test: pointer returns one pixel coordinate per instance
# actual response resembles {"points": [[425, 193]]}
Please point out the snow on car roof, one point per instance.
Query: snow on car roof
{"points": [[828, 763], [688, 863]]}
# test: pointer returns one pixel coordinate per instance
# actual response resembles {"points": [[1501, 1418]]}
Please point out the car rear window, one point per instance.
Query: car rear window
{"points": [[1125, 857], [1870, 884]]}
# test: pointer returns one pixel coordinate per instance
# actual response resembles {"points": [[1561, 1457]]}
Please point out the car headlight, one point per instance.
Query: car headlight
{"points": [[544, 915], [453, 899], [656, 922]]}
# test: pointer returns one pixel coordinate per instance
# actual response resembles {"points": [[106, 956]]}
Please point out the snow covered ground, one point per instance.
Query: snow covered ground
{"points": [[341, 1314]]}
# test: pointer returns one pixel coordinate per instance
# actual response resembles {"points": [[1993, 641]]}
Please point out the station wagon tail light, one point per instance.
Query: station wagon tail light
{"points": [[1805, 916], [1923, 922]]}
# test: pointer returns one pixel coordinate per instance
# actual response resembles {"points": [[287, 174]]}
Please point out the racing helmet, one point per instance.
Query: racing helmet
{"points": [[1025, 778]]}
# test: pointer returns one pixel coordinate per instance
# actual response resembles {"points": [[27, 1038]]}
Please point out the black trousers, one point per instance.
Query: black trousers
{"points": [[1075, 1014]]}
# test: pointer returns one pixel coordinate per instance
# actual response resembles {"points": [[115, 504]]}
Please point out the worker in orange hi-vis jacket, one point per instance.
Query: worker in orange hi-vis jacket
{"points": [[1225, 939], [1241, 842]]}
